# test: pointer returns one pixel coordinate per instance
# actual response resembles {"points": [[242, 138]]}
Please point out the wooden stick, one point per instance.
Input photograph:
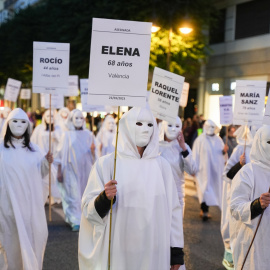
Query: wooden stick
{"points": [[253, 237], [50, 167], [227, 135], [246, 127], [114, 170], [92, 125]]}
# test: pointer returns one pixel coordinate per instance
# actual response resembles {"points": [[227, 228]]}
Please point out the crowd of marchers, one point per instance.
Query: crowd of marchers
{"points": [[143, 188]]}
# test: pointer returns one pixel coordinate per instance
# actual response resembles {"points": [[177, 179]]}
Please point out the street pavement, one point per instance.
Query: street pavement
{"points": [[203, 242]]}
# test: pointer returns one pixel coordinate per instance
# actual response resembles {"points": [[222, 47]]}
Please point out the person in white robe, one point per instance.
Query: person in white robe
{"points": [[208, 152], [61, 118], [249, 198], [146, 214], [237, 160], [40, 136], [105, 136], [76, 152], [3, 116], [23, 166], [173, 148]]}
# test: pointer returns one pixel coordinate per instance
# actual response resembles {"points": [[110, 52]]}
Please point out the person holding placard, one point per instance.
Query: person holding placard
{"points": [[61, 118], [147, 228], [76, 152], [23, 166], [105, 136], [250, 197], [41, 137], [237, 160], [208, 151], [173, 148]]}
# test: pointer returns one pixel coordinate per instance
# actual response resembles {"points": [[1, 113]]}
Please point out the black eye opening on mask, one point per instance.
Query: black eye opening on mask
{"points": [[268, 142], [139, 124]]}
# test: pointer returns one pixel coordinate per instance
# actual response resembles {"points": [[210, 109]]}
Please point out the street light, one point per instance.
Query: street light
{"points": [[155, 28]]}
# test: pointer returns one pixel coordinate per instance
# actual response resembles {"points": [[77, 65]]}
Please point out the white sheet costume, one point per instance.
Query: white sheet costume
{"points": [[41, 137], [23, 226], [240, 134], [76, 162], [172, 152], [105, 136], [146, 217], [250, 182], [207, 152], [61, 118]]}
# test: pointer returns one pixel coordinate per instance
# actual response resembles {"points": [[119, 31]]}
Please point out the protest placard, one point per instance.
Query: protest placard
{"points": [[73, 87], [249, 102], [50, 67], [165, 94], [84, 99], [12, 90], [119, 62], [225, 109], [57, 101], [25, 93], [184, 95]]}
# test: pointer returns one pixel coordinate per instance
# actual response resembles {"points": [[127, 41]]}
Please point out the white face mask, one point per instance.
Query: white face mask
{"points": [[18, 126], [110, 124], [210, 130], [173, 130], [144, 128], [64, 114], [47, 117], [78, 119]]}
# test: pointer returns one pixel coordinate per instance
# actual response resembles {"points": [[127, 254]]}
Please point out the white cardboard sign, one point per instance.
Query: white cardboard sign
{"points": [[165, 94], [12, 90], [184, 95], [50, 67], [84, 99], [73, 86], [249, 102], [57, 101], [266, 118], [119, 62], [25, 93], [225, 109]]}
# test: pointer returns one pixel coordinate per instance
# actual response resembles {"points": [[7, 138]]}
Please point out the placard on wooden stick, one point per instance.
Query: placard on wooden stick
{"points": [[119, 62], [225, 109], [165, 94], [266, 118], [57, 101], [73, 86], [249, 102], [25, 93], [184, 95], [12, 90], [50, 67]]}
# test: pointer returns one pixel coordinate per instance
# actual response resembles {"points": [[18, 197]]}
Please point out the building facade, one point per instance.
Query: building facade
{"points": [[240, 45]]}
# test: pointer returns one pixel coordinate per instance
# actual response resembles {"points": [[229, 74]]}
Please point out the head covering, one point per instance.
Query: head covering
{"points": [[163, 127], [104, 124], [126, 139], [69, 120], [209, 122], [243, 135], [16, 114], [44, 116], [260, 150]]}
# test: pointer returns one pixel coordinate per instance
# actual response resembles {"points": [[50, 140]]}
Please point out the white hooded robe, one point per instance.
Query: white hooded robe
{"points": [[146, 217], [249, 183], [23, 226]]}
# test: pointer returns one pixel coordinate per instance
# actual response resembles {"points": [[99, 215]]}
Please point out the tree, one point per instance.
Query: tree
{"points": [[71, 21]]}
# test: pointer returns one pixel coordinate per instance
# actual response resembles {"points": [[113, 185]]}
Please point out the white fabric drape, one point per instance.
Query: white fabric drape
{"points": [[146, 218]]}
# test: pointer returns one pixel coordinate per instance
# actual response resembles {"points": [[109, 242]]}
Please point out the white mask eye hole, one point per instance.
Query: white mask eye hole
{"points": [[150, 125], [23, 122], [268, 142], [139, 124], [14, 121], [169, 125], [177, 126]]}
